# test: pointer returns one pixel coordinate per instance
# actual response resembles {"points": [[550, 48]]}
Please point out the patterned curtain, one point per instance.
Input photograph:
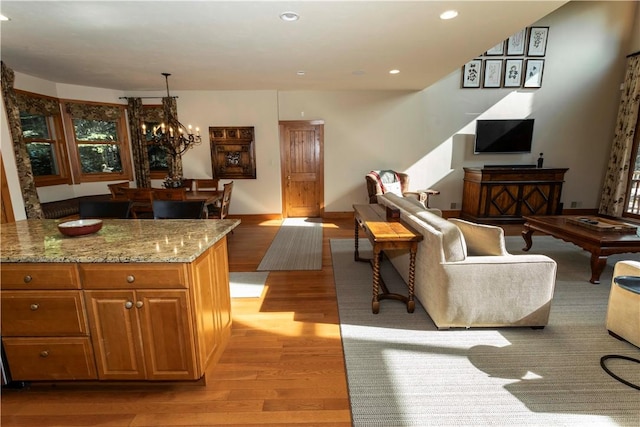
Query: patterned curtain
{"points": [[93, 112], [170, 107], [23, 163], [615, 186], [139, 144]]}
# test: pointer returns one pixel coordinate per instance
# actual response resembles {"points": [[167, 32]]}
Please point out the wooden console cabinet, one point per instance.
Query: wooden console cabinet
{"points": [[502, 195]]}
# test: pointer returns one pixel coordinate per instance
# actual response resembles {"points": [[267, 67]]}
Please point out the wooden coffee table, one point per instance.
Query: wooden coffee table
{"points": [[385, 235], [599, 241]]}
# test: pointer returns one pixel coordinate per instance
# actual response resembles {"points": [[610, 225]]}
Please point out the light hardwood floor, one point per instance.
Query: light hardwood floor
{"points": [[283, 366]]}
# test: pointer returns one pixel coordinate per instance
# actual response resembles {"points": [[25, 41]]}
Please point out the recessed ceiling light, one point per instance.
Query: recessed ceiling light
{"points": [[449, 14], [289, 16], [3, 18], [394, 71], [300, 73]]}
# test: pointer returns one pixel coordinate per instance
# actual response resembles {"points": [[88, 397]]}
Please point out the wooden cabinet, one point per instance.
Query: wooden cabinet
{"points": [[495, 194], [44, 325], [111, 321], [233, 152]]}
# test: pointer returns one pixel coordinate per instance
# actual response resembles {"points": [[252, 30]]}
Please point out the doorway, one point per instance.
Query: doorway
{"points": [[302, 168]]}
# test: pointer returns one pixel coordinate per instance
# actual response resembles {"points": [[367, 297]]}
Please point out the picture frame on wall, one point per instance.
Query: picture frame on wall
{"points": [[517, 43], [492, 73], [533, 73], [513, 73], [497, 50], [538, 41], [472, 73]]}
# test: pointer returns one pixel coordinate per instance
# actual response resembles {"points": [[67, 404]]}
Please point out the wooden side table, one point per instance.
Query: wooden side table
{"points": [[385, 235]]}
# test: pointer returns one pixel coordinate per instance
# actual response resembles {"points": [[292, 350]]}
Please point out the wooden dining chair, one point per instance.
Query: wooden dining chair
{"points": [[222, 210], [116, 188], [104, 209], [141, 201], [170, 193], [178, 209], [206, 184], [187, 183]]}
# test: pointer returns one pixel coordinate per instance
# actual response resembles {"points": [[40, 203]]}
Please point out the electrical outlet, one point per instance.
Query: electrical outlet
{"points": [[454, 205], [576, 204]]}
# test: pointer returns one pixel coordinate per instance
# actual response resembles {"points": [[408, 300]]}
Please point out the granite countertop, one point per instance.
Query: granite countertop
{"points": [[119, 240]]}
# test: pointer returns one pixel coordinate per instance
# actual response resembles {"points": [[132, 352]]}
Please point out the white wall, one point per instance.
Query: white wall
{"points": [[429, 133]]}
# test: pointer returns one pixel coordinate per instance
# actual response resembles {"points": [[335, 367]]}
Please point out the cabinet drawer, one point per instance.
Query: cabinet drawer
{"points": [[133, 276], [43, 313], [33, 359], [39, 276]]}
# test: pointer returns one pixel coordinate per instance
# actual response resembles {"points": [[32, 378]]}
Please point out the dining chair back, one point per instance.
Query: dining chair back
{"points": [[178, 209], [170, 193], [105, 209], [221, 211], [116, 188], [206, 184], [141, 201], [187, 183]]}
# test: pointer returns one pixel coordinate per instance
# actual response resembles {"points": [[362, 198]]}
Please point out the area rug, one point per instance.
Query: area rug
{"points": [[247, 284], [402, 371], [296, 246]]}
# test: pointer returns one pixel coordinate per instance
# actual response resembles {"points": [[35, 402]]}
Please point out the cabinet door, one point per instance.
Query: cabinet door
{"points": [[115, 334], [167, 334], [502, 200], [536, 199]]}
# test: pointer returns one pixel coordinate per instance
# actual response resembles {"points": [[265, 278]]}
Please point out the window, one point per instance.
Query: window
{"points": [[632, 208], [158, 161], [100, 148], [43, 135]]}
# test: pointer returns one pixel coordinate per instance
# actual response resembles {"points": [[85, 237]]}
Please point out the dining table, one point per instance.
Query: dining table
{"points": [[209, 197]]}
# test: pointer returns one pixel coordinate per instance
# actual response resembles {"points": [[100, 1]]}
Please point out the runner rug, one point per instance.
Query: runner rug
{"points": [[402, 371], [297, 246], [247, 284]]}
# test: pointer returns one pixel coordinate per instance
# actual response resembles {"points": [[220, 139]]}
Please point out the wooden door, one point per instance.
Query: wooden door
{"points": [[302, 159], [167, 334], [115, 333]]}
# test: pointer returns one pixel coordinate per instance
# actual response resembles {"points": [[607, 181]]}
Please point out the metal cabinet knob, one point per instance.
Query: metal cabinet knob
{"points": [[128, 304], [131, 278], [139, 304], [27, 279], [44, 353], [35, 306]]}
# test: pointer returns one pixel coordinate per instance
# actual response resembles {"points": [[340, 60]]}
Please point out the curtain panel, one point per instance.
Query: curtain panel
{"points": [[170, 107], [37, 104], [138, 143], [612, 201], [23, 162], [93, 112]]}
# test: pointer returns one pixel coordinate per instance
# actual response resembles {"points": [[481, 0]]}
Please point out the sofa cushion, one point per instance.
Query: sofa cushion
{"points": [[481, 239], [453, 243]]}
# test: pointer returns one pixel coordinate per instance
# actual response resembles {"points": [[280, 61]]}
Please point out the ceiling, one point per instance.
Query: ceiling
{"points": [[244, 45]]}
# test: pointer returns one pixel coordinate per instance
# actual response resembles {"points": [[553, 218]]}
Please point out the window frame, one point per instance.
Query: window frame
{"points": [[123, 143], [59, 142]]}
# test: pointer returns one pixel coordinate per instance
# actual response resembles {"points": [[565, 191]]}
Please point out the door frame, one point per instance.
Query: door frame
{"points": [[283, 172]]}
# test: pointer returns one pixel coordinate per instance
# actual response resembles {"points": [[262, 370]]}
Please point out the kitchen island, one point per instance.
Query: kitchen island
{"points": [[138, 300]]}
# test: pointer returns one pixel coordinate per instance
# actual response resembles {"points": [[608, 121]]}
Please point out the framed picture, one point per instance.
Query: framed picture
{"points": [[492, 73], [538, 41], [471, 74], [497, 50], [533, 73], [516, 43], [513, 73]]}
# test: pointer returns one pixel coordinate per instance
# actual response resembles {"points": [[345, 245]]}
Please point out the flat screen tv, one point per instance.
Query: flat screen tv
{"points": [[503, 136]]}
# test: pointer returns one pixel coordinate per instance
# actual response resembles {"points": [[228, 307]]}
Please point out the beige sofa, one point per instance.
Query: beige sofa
{"points": [[466, 278]]}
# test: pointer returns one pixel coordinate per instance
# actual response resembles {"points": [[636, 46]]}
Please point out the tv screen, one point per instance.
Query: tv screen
{"points": [[503, 136]]}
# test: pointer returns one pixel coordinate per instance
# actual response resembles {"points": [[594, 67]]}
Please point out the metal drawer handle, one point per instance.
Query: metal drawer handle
{"points": [[139, 304], [35, 306], [27, 279], [44, 353], [128, 304], [131, 278]]}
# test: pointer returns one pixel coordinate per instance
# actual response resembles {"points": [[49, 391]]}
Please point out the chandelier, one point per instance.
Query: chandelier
{"points": [[173, 136]]}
